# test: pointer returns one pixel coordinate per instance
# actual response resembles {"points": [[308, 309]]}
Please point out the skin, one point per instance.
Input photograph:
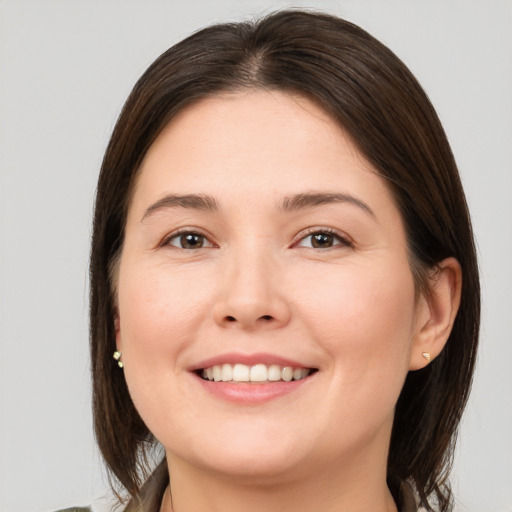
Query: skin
{"points": [[347, 309]]}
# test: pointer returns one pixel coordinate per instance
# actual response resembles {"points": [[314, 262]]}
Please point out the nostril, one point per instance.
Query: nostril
{"points": [[233, 319]]}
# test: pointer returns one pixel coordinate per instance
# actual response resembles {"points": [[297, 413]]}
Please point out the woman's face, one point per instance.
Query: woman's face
{"points": [[262, 247]]}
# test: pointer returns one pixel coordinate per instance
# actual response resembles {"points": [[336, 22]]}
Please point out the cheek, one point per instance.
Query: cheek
{"points": [[159, 313], [364, 319], [366, 307], [158, 309]]}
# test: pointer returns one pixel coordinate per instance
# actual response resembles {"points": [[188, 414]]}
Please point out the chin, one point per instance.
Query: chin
{"points": [[255, 468], [259, 458]]}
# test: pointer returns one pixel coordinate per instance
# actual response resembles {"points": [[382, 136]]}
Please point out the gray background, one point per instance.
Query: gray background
{"points": [[65, 69]]}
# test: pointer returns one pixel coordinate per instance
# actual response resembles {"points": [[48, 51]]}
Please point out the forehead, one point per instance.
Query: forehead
{"points": [[255, 143]]}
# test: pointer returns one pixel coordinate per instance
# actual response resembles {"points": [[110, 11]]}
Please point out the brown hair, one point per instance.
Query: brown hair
{"points": [[375, 98]]}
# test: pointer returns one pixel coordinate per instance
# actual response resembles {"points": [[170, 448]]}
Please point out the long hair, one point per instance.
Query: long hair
{"points": [[364, 87]]}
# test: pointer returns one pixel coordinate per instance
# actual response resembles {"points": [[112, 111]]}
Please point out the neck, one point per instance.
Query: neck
{"points": [[359, 489]]}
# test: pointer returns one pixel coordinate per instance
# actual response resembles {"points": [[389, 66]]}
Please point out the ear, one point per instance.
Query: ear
{"points": [[436, 313]]}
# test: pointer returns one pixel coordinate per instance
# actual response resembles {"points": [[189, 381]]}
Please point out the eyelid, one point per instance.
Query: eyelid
{"points": [[345, 240], [342, 237], [165, 242]]}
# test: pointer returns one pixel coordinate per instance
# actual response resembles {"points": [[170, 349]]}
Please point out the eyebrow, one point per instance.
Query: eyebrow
{"points": [[289, 204], [193, 201], [305, 201]]}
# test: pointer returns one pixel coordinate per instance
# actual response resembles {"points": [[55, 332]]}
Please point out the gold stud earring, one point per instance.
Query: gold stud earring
{"points": [[426, 355], [117, 357]]}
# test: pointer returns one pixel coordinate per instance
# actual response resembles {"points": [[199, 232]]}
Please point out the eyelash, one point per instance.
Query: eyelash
{"points": [[186, 231], [343, 240]]}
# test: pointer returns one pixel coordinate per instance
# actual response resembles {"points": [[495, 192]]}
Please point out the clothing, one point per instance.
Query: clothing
{"points": [[409, 502], [76, 509]]}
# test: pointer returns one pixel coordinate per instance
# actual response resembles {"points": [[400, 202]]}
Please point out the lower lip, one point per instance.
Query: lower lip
{"points": [[252, 392]]}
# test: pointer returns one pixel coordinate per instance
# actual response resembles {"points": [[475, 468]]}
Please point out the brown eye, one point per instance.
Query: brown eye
{"points": [[188, 241], [191, 241], [323, 240]]}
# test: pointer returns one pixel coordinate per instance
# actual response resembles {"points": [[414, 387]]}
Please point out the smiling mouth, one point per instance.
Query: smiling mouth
{"points": [[258, 373]]}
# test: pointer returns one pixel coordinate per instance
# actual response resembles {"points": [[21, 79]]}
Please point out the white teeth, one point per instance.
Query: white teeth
{"points": [[256, 373], [297, 373], [241, 373], [227, 372], [287, 374], [217, 373], [274, 373]]}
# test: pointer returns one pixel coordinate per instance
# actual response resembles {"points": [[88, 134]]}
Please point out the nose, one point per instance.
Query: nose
{"points": [[252, 295]]}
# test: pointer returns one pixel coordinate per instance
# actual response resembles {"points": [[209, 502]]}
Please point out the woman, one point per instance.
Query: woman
{"points": [[283, 269]]}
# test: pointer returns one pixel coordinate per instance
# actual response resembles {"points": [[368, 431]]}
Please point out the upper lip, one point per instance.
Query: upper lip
{"points": [[249, 360]]}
